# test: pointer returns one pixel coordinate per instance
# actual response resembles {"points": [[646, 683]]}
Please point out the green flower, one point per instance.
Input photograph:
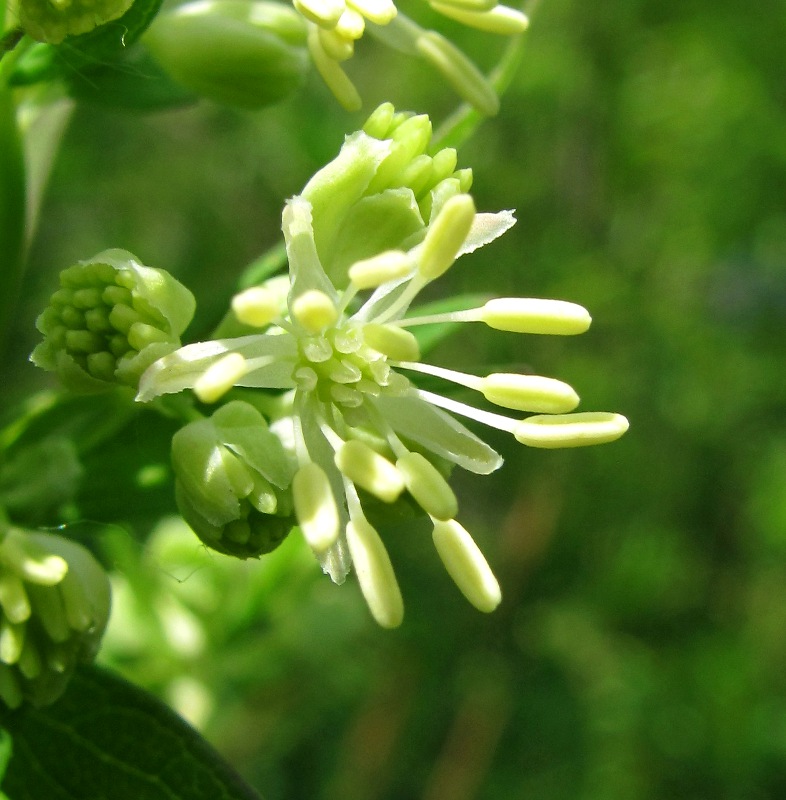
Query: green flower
{"points": [[54, 606], [231, 474], [357, 424], [111, 318]]}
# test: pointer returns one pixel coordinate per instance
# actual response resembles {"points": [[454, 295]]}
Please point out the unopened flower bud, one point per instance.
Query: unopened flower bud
{"points": [[54, 606], [466, 565], [111, 319], [231, 479], [245, 53], [375, 573], [570, 430]]}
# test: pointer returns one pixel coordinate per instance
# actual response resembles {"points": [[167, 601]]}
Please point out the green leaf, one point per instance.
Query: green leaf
{"points": [[108, 739]]}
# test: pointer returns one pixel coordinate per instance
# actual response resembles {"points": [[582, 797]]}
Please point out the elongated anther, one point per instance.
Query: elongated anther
{"points": [[256, 306], [425, 483], [369, 470], [375, 573], [315, 506], [379, 269], [220, 377], [446, 235], [533, 315], [570, 430], [529, 393], [466, 565], [392, 341]]}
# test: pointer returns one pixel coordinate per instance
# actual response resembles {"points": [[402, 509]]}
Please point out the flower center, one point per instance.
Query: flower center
{"points": [[340, 366]]}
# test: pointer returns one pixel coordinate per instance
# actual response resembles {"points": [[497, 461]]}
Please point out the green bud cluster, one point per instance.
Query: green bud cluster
{"points": [[231, 481], [245, 53], [52, 20], [111, 318], [381, 192], [54, 606]]}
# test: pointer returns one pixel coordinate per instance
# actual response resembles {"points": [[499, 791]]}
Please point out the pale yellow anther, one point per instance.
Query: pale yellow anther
{"points": [[392, 341], [220, 377], [375, 573], [501, 20], [529, 393], [380, 12], [388, 266], [445, 236], [325, 13], [369, 470], [314, 310], [533, 315], [334, 77], [570, 430], [466, 565], [256, 306], [425, 483], [315, 507], [351, 24], [338, 47]]}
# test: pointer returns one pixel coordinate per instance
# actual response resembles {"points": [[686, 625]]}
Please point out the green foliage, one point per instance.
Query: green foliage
{"points": [[107, 738], [639, 647]]}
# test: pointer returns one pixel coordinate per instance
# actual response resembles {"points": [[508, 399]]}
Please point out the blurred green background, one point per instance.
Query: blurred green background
{"points": [[640, 649]]}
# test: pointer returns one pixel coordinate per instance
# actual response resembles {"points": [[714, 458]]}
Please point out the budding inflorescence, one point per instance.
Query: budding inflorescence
{"points": [[110, 319], [54, 606], [358, 427], [335, 26]]}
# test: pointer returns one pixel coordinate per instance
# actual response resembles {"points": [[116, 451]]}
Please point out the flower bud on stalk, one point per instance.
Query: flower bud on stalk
{"points": [[231, 477], [110, 320], [54, 606], [242, 53]]}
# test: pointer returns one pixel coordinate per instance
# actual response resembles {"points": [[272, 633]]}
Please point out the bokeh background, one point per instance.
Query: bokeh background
{"points": [[640, 649]]}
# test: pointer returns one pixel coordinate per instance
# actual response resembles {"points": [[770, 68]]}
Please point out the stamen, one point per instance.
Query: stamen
{"points": [[220, 377], [486, 417], [570, 430], [445, 236], [368, 469], [375, 573], [314, 310], [392, 341], [429, 488], [373, 272], [315, 506], [466, 565], [256, 306]]}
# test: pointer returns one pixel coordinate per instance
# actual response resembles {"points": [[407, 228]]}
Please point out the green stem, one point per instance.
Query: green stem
{"points": [[462, 124]]}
